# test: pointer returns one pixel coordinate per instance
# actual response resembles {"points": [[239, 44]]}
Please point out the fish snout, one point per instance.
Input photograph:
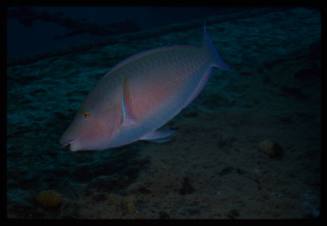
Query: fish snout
{"points": [[71, 146], [66, 146], [66, 143]]}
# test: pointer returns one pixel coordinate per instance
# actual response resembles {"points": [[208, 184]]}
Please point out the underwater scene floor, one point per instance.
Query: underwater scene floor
{"points": [[247, 147]]}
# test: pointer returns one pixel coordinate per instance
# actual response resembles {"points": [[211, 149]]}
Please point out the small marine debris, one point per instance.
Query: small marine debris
{"points": [[187, 188], [271, 148], [49, 199]]}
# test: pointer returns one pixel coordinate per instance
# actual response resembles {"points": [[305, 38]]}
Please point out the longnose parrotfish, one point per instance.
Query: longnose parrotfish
{"points": [[140, 95]]}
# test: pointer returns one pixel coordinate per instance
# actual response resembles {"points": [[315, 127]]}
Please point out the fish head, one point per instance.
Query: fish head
{"points": [[86, 132]]}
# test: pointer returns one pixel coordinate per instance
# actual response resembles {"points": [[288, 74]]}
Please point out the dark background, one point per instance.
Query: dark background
{"points": [[37, 30]]}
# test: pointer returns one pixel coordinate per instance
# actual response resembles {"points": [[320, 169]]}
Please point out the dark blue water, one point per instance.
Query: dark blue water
{"points": [[41, 35]]}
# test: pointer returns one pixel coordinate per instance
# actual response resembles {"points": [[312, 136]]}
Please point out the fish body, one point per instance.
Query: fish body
{"points": [[141, 94]]}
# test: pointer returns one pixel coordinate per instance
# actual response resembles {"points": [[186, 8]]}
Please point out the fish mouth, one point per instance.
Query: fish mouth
{"points": [[67, 144]]}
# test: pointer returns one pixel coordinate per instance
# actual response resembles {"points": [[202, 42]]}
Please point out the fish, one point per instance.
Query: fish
{"points": [[139, 95]]}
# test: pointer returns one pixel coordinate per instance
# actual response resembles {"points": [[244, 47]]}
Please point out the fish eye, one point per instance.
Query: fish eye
{"points": [[86, 114]]}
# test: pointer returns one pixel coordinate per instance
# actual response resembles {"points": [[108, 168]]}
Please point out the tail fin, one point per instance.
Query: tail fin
{"points": [[212, 51]]}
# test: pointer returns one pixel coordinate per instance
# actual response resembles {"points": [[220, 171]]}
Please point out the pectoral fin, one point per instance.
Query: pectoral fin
{"points": [[127, 117], [159, 136]]}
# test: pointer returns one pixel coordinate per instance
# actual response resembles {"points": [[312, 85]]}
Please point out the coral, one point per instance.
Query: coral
{"points": [[49, 199]]}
